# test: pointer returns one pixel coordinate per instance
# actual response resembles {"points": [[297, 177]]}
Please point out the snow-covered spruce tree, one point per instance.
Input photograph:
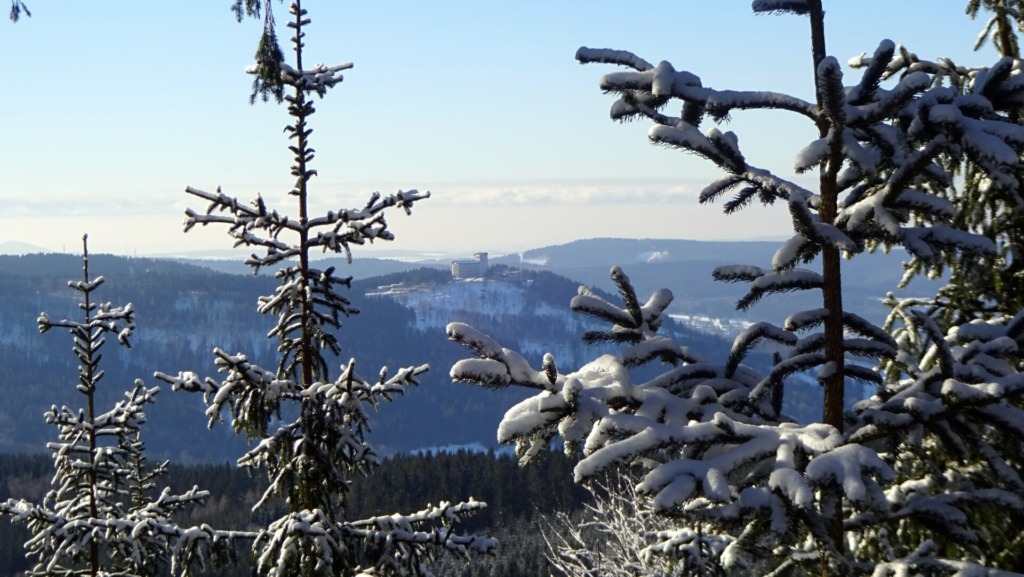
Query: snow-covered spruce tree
{"points": [[981, 286], [310, 430], [103, 516], [857, 494], [662, 428], [982, 298]]}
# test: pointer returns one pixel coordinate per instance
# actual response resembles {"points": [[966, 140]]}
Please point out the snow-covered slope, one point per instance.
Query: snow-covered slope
{"points": [[685, 267], [729, 327], [527, 311], [499, 305], [523, 313]]}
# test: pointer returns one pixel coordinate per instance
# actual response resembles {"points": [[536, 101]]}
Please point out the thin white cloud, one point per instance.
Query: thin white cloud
{"points": [[567, 192], [81, 205], [641, 191], [547, 192]]}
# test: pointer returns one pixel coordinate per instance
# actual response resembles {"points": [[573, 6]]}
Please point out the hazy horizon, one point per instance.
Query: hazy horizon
{"points": [[482, 104], [381, 251]]}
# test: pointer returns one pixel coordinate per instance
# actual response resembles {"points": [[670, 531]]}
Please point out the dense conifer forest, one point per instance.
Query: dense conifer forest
{"points": [[516, 498]]}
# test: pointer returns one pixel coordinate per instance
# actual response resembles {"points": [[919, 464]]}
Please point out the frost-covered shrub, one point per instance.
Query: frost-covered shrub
{"points": [[620, 535]]}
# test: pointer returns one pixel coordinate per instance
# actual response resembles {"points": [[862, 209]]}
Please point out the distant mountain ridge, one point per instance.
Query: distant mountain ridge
{"points": [[184, 310], [685, 266], [14, 247], [621, 251]]}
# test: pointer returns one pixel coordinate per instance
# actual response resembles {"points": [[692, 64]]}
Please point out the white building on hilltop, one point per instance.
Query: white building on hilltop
{"points": [[470, 268]]}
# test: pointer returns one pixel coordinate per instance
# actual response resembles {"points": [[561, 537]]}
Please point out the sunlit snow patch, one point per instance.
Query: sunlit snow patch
{"points": [[711, 325], [653, 256], [535, 261]]}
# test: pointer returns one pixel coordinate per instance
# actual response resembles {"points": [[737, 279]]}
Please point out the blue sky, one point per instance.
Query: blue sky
{"points": [[110, 110]]}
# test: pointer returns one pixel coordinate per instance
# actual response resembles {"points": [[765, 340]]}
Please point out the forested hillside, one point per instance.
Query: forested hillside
{"points": [[183, 311], [515, 496], [687, 266]]}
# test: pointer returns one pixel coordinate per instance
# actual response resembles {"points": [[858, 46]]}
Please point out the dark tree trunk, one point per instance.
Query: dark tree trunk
{"points": [[832, 289]]}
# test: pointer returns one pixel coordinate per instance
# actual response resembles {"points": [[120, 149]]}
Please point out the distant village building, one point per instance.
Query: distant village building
{"points": [[470, 268]]}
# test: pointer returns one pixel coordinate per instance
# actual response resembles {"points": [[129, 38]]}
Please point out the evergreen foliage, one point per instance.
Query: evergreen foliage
{"points": [[310, 431], [980, 286], [899, 485], [249, 8], [269, 56], [988, 284], [974, 317], [17, 9], [103, 516], [514, 495], [1002, 26]]}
